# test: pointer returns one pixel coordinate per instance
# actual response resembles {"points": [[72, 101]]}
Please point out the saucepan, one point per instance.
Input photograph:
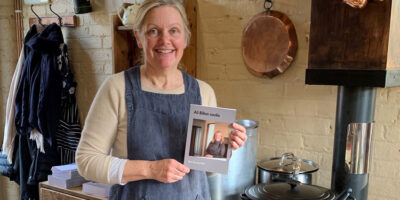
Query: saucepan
{"points": [[286, 187], [285, 168], [292, 190]]}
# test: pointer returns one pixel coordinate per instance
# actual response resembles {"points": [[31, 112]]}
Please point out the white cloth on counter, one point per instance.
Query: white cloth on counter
{"points": [[9, 128]]}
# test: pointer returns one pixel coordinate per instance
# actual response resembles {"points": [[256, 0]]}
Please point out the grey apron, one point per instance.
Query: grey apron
{"points": [[157, 126]]}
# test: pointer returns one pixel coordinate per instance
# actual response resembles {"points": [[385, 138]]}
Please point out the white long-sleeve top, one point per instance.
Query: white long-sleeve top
{"points": [[9, 128], [102, 150]]}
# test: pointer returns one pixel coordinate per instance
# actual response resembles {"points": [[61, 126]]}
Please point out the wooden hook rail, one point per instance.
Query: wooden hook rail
{"points": [[67, 21]]}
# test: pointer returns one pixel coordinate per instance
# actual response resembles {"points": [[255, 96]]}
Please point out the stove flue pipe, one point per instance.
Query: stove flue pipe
{"points": [[354, 105]]}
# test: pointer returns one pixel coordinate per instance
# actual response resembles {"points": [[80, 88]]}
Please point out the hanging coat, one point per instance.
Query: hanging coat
{"points": [[37, 109], [38, 99], [69, 129]]}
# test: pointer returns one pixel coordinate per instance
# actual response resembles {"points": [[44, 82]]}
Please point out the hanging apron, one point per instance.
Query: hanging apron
{"points": [[157, 127]]}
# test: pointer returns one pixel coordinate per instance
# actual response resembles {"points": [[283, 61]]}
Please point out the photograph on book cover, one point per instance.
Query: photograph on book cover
{"points": [[207, 142]]}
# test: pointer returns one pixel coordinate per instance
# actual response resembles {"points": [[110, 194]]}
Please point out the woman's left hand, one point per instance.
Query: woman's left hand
{"points": [[238, 136]]}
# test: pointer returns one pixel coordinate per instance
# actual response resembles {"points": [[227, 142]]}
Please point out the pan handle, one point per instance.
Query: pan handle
{"points": [[287, 156], [243, 196], [345, 195]]}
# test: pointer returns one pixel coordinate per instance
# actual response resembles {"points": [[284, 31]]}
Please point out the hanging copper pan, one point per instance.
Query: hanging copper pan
{"points": [[269, 43]]}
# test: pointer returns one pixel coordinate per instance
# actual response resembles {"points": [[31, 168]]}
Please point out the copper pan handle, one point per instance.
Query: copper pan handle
{"points": [[358, 3]]}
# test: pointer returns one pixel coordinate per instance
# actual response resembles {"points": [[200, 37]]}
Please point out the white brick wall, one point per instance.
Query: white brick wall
{"points": [[8, 54], [8, 61], [293, 116]]}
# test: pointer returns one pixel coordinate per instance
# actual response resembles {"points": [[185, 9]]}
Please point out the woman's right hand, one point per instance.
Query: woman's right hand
{"points": [[168, 170]]}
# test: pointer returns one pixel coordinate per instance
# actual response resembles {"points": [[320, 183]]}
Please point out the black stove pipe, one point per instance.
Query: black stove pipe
{"points": [[354, 105]]}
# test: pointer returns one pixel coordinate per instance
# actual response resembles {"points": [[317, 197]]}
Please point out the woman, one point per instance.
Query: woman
{"points": [[140, 116]]}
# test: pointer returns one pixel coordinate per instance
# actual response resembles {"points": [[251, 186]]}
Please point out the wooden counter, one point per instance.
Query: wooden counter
{"points": [[49, 192]]}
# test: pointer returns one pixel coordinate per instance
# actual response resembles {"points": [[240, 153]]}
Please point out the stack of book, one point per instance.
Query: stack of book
{"points": [[65, 176], [96, 189]]}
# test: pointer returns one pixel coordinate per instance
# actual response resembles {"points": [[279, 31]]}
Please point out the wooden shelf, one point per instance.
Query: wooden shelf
{"points": [[126, 53], [125, 28], [358, 78], [124, 48]]}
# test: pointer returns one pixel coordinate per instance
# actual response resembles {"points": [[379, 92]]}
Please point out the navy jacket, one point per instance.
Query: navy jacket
{"points": [[37, 103], [38, 106]]}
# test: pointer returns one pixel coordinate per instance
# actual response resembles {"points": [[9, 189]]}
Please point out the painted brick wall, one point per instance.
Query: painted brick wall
{"points": [[293, 116], [8, 61], [8, 54]]}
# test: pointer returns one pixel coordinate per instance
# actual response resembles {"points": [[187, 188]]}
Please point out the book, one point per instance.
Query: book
{"points": [[96, 189], [208, 135], [65, 171], [65, 182]]}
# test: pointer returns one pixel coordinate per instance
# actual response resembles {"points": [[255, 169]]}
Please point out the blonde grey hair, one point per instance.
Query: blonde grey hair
{"points": [[148, 5]]}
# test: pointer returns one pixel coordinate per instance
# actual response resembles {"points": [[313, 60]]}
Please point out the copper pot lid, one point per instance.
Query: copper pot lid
{"points": [[288, 164], [292, 190], [269, 44]]}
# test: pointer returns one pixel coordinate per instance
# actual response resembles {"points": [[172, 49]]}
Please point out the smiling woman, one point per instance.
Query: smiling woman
{"points": [[141, 116], [163, 39], [176, 25]]}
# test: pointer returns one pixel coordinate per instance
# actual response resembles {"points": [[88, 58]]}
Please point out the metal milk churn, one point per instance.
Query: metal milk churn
{"points": [[242, 168]]}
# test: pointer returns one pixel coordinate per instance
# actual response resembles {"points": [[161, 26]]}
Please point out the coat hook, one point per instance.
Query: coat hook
{"points": [[59, 17], [39, 19]]}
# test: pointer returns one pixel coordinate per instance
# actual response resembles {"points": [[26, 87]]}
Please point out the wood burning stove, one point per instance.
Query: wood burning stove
{"points": [[358, 50]]}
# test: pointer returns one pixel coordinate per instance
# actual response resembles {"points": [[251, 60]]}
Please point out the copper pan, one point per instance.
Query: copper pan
{"points": [[269, 44]]}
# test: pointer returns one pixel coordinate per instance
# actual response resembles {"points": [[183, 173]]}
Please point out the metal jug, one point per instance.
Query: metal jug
{"points": [[242, 167], [128, 14]]}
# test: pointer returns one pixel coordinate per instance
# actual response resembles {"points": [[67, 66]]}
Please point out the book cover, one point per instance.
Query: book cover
{"points": [[207, 143], [96, 189], [64, 182], [65, 171]]}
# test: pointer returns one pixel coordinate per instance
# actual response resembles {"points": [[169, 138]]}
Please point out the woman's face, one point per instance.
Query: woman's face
{"points": [[162, 37]]}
